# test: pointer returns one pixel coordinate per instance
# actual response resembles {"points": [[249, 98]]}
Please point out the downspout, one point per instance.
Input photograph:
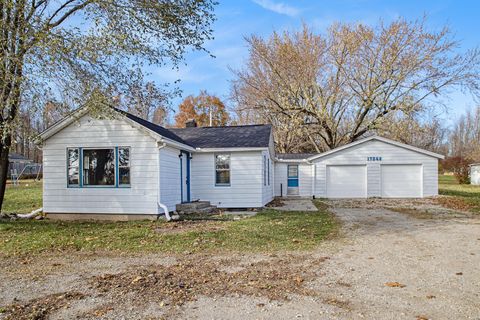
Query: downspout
{"points": [[161, 205]]}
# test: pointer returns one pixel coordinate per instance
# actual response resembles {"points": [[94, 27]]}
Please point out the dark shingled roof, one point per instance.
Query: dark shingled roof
{"points": [[294, 156], [156, 128], [249, 136]]}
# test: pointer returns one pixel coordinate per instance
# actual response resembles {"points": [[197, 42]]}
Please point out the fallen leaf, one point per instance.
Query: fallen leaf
{"points": [[395, 285], [431, 297], [138, 278], [459, 273], [422, 318]]}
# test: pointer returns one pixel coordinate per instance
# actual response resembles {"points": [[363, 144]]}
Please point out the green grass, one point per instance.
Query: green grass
{"points": [[23, 198], [469, 194], [268, 231]]}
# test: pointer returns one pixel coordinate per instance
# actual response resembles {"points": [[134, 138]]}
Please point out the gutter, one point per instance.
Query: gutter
{"points": [[161, 205]]}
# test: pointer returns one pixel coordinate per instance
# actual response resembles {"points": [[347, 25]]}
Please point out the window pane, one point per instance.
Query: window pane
{"points": [[123, 176], [99, 167], [293, 171], [124, 157], [222, 161], [223, 177], [72, 167]]}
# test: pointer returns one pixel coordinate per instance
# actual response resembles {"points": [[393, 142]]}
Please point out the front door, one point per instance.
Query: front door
{"points": [[185, 176], [292, 177]]}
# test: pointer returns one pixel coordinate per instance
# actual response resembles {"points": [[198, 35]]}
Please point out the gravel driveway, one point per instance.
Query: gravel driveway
{"points": [[385, 265], [431, 265]]}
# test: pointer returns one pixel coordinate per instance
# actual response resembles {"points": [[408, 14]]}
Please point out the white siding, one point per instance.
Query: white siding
{"points": [[170, 189], [475, 174], [391, 154], [305, 178], [245, 190], [140, 198]]}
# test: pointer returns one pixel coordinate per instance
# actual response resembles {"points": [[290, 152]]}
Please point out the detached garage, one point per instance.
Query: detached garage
{"points": [[373, 167], [376, 167]]}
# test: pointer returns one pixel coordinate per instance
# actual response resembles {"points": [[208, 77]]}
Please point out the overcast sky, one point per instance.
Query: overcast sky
{"points": [[237, 19]]}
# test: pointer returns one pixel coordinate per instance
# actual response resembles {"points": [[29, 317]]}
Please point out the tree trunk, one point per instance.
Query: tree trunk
{"points": [[4, 149]]}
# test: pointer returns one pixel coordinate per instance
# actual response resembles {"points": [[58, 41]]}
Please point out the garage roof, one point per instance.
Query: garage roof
{"points": [[392, 142]]}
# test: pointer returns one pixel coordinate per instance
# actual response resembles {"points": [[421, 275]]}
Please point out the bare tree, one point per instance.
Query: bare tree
{"points": [[339, 87], [465, 136]]}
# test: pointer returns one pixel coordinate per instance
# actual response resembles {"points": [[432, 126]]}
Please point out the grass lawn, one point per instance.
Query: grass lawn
{"points": [[467, 194], [268, 231], [23, 198]]}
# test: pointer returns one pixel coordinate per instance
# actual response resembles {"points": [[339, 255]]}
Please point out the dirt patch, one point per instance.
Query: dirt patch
{"points": [[40, 308], [191, 225], [185, 281], [276, 202], [454, 203]]}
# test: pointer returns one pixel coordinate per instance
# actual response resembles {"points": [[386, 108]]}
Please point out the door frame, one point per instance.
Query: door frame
{"points": [[185, 181]]}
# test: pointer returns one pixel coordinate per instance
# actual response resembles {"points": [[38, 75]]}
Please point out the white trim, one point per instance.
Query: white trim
{"points": [[395, 143], [293, 160]]}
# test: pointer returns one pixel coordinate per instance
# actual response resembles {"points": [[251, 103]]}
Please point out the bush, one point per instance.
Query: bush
{"points": [[460, 167]]}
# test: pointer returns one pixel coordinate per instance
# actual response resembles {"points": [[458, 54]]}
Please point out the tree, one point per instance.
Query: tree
{"points": [[207, 110], [425, 131], [339, 87], [465, 136], [46, 54]]}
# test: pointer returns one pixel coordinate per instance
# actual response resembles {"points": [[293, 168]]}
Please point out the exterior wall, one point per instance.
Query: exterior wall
{"points": [[140, 198], [170, 186], [475, 174], [245, 190], [305, 178], [390, 154]]}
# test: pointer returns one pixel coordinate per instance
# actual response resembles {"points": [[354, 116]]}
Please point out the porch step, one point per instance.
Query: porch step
{"points": [[202, 207]]}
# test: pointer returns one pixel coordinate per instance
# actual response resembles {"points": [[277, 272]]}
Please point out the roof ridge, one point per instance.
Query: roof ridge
{"points": [[234, 126]]}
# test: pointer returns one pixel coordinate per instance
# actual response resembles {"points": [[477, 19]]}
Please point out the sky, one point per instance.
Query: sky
{"points": [[241, 18]]}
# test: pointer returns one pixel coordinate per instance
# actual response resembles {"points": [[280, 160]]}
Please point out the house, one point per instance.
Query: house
{"points": [[127, 167]]}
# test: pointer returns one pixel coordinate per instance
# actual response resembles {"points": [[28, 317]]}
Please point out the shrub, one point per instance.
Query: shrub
{"points": [[460, 167]]}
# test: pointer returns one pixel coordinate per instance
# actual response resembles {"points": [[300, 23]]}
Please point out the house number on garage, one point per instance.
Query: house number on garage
{"points": [[374, 158]]}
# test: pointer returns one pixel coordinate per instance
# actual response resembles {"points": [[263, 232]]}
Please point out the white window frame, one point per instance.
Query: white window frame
{"points": [[229, 169]]}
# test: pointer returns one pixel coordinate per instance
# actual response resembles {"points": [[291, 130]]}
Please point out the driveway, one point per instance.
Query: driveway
{"points": [[388, 265]]}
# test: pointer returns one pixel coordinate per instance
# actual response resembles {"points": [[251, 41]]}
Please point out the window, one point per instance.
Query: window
{"points": [[268, 171], [222, 169], [99, 167], [107, 167], [123, 166], [264, 170], [73, 167]]}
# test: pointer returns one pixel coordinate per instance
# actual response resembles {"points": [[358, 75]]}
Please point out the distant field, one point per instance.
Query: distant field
{"points": [[23, 198]]}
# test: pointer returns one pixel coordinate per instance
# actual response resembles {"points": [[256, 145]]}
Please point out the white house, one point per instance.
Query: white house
{"points": [[475, 174], [127, 167]]}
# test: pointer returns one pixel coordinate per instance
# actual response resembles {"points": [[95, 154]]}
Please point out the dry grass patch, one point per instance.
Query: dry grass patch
{"points": [[275, 278]]}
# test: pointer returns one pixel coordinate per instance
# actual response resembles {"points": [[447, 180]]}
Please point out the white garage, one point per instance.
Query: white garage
{"points": [[372, 167]]}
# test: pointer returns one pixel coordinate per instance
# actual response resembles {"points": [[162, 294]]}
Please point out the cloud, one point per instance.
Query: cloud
{"points": [[278, 7]]}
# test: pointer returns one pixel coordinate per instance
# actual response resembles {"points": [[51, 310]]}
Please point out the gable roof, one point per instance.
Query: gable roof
{"points": [[392, 142], [153, 127], [247, 136]]}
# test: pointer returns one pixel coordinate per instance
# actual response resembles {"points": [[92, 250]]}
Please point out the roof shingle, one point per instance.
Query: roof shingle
{"points": [[248, 136]]}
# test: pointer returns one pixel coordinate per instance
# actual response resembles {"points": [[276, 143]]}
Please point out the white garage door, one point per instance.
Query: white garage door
{"points": [[401, 181], [346, 181]]}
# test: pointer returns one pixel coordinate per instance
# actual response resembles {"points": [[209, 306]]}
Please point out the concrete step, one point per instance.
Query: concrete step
{"points": [[202, 207]]}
